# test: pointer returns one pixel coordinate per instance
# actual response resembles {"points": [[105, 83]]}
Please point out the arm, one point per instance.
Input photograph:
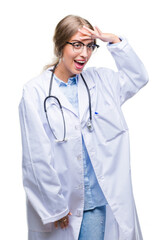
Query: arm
{"points": [[40, 180], [131, 75]]}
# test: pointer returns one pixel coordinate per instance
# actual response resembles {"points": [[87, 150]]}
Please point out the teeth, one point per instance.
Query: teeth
{"points": [[80, 61]]}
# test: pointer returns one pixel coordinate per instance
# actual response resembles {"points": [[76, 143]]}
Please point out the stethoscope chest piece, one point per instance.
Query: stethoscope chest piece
{"points": [[89, 125]]}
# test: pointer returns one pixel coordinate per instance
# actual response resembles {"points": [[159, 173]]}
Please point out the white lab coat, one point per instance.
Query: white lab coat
{"points": [[53, 175]]}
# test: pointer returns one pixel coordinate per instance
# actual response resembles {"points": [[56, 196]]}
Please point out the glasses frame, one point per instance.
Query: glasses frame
{"points": [[83, 45]]}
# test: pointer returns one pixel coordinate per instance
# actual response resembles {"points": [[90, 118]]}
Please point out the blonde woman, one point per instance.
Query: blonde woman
{"points": [[76, 167]]}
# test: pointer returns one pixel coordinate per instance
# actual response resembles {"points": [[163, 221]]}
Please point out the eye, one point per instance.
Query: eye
{"points": [[77, 45], [91, 46]]}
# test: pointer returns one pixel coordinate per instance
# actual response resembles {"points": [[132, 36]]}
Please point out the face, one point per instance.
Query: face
{"points": [[72, 63]]}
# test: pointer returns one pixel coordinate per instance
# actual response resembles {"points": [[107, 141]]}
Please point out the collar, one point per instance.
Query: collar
{"points": [[71, 81]]}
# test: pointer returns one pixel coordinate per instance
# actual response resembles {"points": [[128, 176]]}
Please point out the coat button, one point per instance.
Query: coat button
{"points": [[79, 157], [80, 186], [79, 212], [101, 178]]}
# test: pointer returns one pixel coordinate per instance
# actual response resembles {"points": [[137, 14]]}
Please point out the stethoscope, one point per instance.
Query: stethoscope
{"points": [[50, 96]]}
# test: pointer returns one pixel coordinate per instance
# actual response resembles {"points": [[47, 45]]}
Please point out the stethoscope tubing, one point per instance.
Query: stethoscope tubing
{"points": [[90, 108], [89, 123], [61, 109]]}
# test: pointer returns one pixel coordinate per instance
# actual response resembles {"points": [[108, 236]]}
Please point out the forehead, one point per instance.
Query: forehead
{"points": [[76, 37]]}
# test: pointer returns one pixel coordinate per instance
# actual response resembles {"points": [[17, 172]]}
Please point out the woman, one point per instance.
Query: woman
{"points": [[76, 168]]}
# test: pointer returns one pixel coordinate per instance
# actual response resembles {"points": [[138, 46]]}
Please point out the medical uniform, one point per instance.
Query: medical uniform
{"points": [[53, 173], [93, 223]]}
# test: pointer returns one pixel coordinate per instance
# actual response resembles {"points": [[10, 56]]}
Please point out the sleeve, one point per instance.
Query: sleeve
{"points": [[131, 75], [40, 179]]}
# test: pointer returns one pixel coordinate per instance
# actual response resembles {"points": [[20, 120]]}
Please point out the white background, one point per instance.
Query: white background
{"points": [[26, 30]]}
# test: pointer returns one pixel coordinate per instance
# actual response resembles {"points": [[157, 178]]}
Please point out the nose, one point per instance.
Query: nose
{"points": [[84, 52]]}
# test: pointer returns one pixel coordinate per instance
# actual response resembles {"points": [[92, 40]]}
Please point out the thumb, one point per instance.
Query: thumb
{"points": [[98, 30]]}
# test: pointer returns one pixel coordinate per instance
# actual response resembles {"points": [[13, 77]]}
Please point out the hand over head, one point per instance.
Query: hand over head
{"points": [[98, 34]]}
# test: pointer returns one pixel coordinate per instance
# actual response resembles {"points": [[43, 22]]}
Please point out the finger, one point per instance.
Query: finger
{"points": [[70, 213], [98, 30], [89, 30], [66, 223], [56, 224], [61, 224], [84, 32]]}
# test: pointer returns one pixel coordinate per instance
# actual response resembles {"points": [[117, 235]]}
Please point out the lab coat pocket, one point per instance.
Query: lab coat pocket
{"points": [[109, 123], [34, 221]]}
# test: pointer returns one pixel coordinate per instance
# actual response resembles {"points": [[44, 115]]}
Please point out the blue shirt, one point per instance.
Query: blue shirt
{"points": [[93, 195]]}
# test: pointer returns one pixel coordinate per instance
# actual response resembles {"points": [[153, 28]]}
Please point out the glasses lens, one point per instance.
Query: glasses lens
{"points": [[77, 46]]}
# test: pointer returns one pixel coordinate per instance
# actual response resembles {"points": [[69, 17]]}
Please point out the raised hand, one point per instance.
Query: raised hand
{"points": [[98, 34]]}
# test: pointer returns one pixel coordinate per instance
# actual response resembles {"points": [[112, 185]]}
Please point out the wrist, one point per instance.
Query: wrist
{"points": [[115, 40]]}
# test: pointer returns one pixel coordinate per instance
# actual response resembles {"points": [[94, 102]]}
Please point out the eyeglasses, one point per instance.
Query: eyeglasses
{"points": [[78, 46]]}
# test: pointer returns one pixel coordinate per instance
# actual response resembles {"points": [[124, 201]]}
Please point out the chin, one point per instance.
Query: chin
{"points": [[75, 72]]}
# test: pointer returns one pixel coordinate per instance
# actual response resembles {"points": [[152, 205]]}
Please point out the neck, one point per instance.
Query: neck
{"points": [[62, 74]]}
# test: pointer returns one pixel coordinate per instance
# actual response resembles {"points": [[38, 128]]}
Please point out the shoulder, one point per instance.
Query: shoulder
{"points": [[37, 81], [37, 85], [98, 71], [106, 80], [101, 75]]}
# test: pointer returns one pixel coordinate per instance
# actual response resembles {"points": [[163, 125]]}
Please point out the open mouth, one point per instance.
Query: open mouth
{"points": [[79, 64]]}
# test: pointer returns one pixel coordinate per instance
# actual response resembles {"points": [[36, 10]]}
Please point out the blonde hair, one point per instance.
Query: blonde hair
{"points": [[64, 30]]}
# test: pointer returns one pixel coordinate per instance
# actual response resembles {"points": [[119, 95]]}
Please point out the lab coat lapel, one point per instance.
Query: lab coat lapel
{"points": [[83, 98]]}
